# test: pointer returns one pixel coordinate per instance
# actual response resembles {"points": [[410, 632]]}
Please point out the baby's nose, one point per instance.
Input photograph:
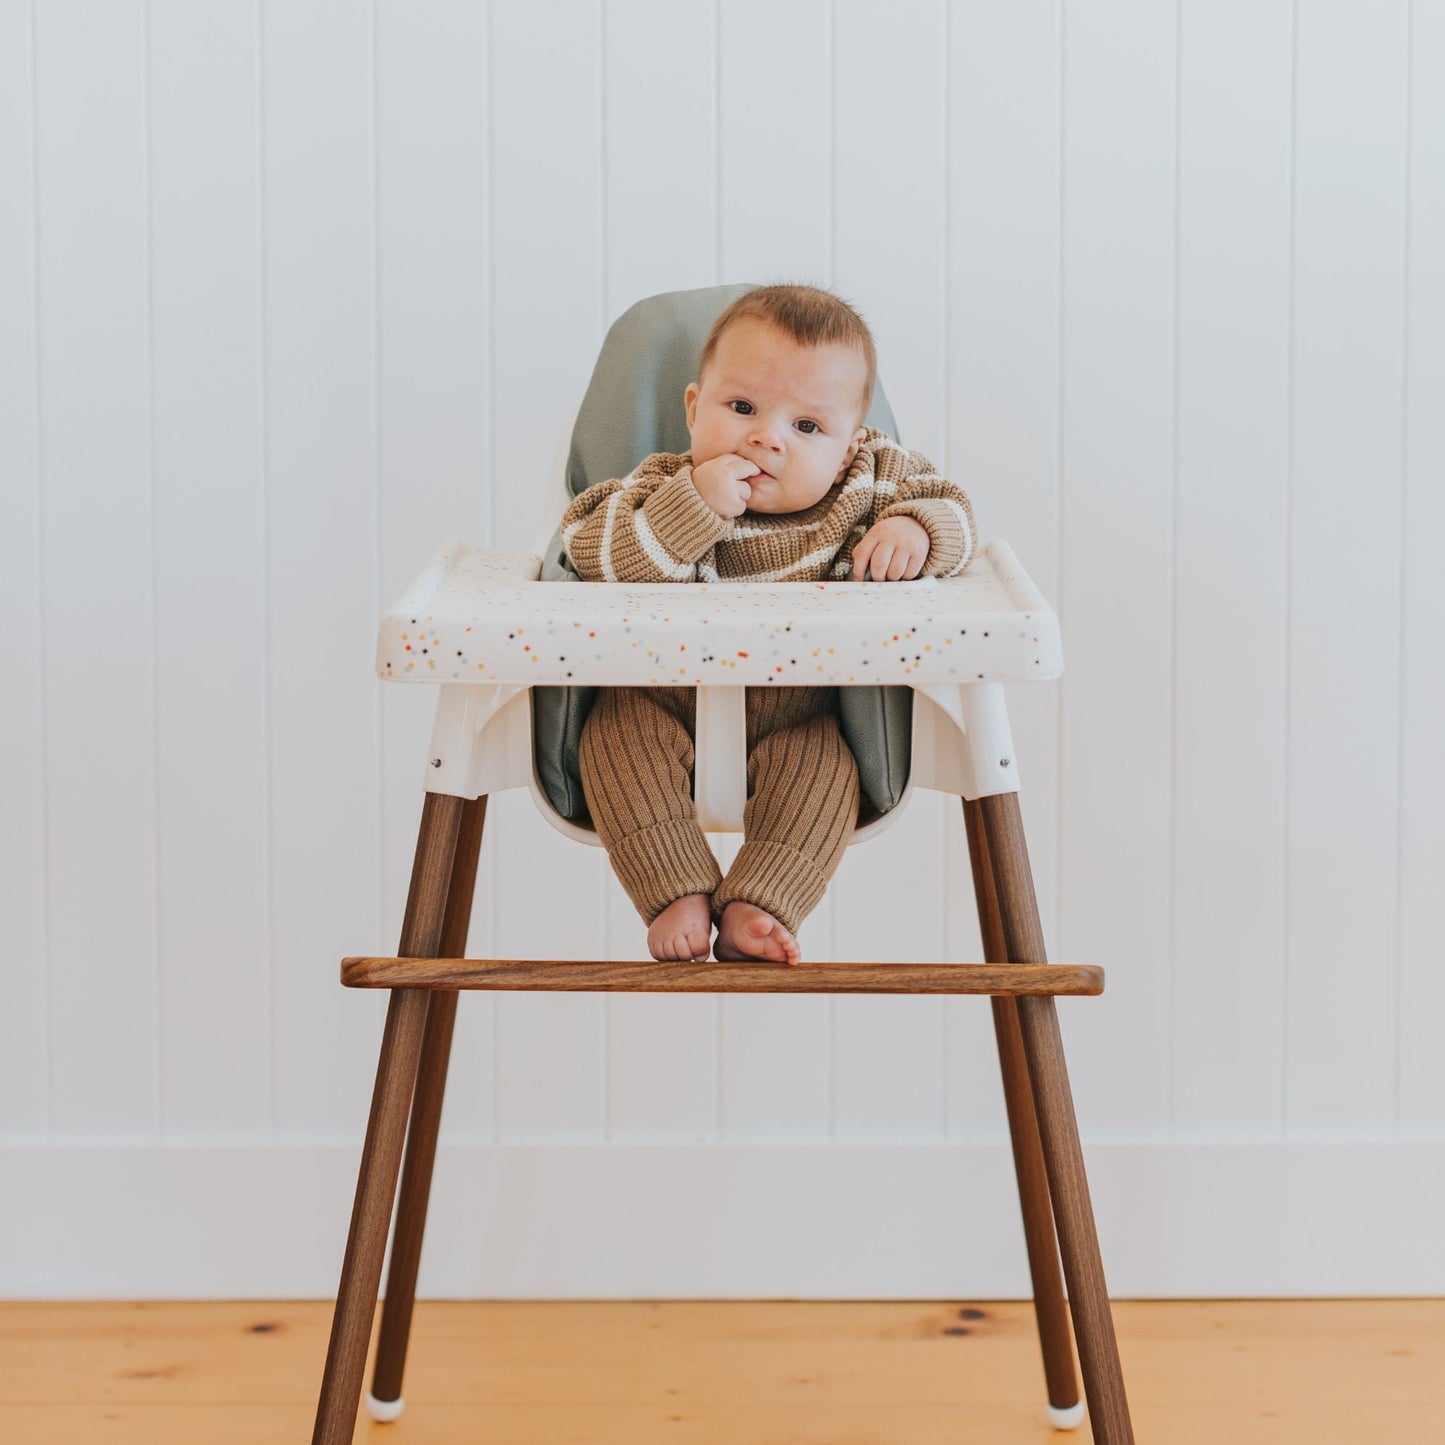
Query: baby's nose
{"points": [[766, 434]]}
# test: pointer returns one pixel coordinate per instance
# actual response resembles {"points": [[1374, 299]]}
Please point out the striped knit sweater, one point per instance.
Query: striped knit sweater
{"points": [[653, 526]]}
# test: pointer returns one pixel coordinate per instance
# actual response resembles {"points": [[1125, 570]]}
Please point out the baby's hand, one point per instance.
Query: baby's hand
{"points": [[722, 483], [893, 550]]}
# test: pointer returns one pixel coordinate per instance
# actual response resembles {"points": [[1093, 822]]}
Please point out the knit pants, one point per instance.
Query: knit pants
{"points": [[636, 762]]}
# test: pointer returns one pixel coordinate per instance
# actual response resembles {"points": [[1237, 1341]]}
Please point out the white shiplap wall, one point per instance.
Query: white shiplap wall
{"points": [[289, 292]]}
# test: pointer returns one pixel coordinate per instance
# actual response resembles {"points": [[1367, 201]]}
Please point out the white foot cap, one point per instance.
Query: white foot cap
{"points": [[1069, 1419], [387, 1410]]}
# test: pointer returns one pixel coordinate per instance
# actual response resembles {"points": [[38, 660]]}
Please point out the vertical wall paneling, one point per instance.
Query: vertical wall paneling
{"points": [[98, 569], [433, 333], [773, 225], [888, 1062], [291, 292], [551, 1049], [1344, 597], [660, 99], [660, 94], [1003, 422], [1422, 774], [321, 547], [773, 141], [894, 272], [210, 572], [24, 971], [1115, 590], [1230, 666]]}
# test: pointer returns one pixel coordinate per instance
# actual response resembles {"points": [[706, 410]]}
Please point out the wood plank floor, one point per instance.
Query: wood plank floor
{"points": [[723, 1373]]}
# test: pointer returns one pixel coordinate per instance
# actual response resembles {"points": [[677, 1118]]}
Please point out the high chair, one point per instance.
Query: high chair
{"points": [[510, 651]]}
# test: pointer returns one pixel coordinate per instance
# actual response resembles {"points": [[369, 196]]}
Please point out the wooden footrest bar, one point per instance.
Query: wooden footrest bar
{"points": [[578, 976]]}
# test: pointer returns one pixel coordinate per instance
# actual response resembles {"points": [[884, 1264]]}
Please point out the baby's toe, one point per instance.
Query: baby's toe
{"points": [[775, 942], [784, 947]]}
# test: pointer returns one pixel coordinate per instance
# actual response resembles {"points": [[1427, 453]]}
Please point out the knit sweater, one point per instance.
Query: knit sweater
{"points": [[653, 526]]}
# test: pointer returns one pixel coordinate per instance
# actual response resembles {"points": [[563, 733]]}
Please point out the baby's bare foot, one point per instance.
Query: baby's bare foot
{"points": [[746, 931], [682, 932]]}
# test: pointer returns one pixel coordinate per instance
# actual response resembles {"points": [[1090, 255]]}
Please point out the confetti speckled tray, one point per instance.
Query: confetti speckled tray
{"points": [[480, 616]]}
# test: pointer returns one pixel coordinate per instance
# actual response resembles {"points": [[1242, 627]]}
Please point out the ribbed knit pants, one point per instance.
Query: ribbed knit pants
{"points": [[636, 762]]}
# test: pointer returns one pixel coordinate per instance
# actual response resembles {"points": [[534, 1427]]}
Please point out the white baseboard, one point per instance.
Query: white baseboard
{"points": [[587, 1221]]}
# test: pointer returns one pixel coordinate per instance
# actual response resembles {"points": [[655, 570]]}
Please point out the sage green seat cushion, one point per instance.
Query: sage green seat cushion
{"points": [[634, 407]]}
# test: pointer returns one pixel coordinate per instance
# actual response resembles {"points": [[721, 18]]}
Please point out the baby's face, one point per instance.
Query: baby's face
{"points": [[791, 410]]}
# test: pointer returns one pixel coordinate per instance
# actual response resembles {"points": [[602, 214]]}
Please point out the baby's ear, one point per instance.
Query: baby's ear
{"points": [[851, 452], [689, 400]]}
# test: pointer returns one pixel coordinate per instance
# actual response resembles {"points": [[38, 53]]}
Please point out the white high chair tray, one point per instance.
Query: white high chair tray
{"points": [[480, 616]]}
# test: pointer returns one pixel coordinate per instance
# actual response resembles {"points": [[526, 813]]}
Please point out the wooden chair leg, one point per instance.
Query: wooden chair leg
{"points": [[1058, 1129], [421, 1142], [1050, 1308], [396, 1073]]}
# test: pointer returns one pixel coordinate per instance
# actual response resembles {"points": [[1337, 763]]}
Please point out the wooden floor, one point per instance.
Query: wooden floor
{"points": [[723, 1373]]}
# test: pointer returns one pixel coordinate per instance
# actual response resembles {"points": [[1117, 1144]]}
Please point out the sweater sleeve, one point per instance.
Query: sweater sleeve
{"points": [[651, 526], [909, 485]]}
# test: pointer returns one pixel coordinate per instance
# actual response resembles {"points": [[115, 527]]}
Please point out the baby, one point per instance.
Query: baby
{"points": [[783, 483]]}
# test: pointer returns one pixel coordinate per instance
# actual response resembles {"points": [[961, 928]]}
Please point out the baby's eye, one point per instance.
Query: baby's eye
{"points": [[746, 405], [807, 427]]}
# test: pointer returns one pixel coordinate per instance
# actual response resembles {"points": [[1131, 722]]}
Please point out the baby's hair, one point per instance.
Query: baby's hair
{"points": [[810, 315]]}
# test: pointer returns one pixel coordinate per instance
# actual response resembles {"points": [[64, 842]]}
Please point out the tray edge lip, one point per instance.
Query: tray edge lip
{"points": [[1013, 580]]}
